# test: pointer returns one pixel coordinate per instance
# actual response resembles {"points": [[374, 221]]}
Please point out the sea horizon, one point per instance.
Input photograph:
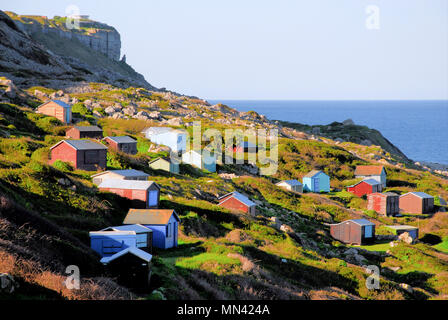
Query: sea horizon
{"points": [[419, 128]]}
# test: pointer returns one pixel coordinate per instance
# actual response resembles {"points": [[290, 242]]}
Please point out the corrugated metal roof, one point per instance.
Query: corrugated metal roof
{"points": [[88, 128], [122, 139], [125, 184], [291, 182], [240, 197], [391, 194], [124, 173], [149, 216], [82, 144], [137, 228], [111, 232], [61, 103], [368, 170], [312, 173], [145, 256], [420, 195], [372, 182], [362, 222]]}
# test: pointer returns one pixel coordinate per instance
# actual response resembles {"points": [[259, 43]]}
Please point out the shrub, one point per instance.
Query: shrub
{"points": [[62, 166], [81, 109]]}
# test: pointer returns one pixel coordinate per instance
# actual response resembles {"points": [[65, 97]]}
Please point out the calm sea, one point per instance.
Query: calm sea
{"points": [[417, 128]]}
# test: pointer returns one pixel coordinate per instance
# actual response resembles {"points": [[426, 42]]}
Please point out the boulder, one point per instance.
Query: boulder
{"points": [[97, 114], [118, 115], [142, 115], [286, 228], [7, 283], [406, 287], [175, 122], [155, 115], [109, 110], [41, 95], [348, 122], [130, 111], [64, 182], [405, 237]]}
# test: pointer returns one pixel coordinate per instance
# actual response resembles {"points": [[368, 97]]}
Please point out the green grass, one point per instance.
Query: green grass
{"points": [[442, 246], [380, 247]]}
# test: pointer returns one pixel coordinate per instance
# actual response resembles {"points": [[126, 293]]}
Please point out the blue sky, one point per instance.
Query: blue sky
{"points": [[282, 49]]}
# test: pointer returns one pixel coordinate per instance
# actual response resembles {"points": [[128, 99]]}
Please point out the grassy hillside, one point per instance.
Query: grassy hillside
{"points": [[222, 254]]}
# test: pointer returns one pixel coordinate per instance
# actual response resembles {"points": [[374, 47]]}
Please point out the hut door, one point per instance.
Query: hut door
{"points": [[175, 234], [368, 230], [152, 199], [316, 185], [346, 233]]}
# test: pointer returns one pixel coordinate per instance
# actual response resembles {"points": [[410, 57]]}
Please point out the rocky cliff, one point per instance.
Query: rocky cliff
{"points": [[37, 51], [95, 35]]}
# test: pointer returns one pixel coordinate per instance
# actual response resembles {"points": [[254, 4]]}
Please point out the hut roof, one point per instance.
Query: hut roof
{"points": [[82, 144], [240, 197], [88, 128], [312, 173], [291, 182], [167, 159], [136, 228], [371, 182], [421, 195], [131, 250], [150, 216], [59, 102], [108, 232], [126, 184], [122, 139], [362, 222], [368, 170], [124, 173]]}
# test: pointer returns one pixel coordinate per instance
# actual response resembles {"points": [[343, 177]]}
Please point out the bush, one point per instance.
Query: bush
{"points": [[41, 155], [81, 109], [63, 166]]}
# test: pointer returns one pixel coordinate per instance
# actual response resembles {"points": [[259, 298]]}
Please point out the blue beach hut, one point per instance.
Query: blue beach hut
{"points": [[316, 181], [164, 224]]}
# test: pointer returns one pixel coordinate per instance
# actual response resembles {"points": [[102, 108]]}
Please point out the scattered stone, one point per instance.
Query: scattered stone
{"points": [[405, 237], [97, 114], [286, 228], [348, 122], [110, 110], [64, 182], [406, 287], [118, 115], [130, 111], [366, 142]]}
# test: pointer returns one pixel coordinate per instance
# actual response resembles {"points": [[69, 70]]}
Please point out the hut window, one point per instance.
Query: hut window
{"points": [[168, 230]]}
